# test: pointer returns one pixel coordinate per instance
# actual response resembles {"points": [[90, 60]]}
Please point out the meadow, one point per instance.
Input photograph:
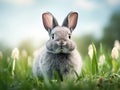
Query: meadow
{"points": [[101, 71]]}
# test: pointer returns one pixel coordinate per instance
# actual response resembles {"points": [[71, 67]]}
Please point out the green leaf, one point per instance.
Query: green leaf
{"points": [[94, 61]]}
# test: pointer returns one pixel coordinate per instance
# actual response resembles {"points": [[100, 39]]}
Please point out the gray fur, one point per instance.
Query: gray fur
{"points": [[59, 54]]}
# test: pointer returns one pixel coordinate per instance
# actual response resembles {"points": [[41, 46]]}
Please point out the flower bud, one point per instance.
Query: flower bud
{"points": [[114, 53], [15, 53]]}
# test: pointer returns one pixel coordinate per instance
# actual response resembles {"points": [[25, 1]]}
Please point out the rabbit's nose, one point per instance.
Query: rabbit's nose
{"points": [[61, 43]]}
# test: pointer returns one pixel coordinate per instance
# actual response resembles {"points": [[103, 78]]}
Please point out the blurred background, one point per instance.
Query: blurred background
{"points": [[21, 23]]}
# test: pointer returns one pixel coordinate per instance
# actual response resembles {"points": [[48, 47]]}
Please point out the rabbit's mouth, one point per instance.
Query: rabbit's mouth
{"points": [[62, 50]]}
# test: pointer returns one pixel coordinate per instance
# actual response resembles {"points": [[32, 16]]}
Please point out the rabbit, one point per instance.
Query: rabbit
{"points": [[60, 53]]}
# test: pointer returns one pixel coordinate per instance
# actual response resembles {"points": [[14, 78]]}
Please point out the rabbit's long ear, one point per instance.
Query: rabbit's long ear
{"points": [[49, 21], [71, 20]]}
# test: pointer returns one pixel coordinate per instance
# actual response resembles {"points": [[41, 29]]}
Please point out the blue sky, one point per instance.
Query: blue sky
{"points": [[21, 19]]}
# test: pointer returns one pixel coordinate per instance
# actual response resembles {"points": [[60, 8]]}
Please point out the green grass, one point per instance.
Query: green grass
{"points": [[93, 75]]}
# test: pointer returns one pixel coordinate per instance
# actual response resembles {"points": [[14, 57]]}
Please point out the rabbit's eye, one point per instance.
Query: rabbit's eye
{"points": [[52, 36], [69, 36]]}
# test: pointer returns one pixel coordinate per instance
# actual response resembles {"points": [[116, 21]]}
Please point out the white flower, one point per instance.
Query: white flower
{"points": [[15, 56], [24, 53], [90, 51], [15, 53], [117, 44], [115, 53], [1, 55], [102, 59]]}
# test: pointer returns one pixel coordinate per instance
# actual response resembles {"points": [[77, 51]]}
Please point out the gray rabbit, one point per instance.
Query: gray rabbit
{"points": [[60, 53]]}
